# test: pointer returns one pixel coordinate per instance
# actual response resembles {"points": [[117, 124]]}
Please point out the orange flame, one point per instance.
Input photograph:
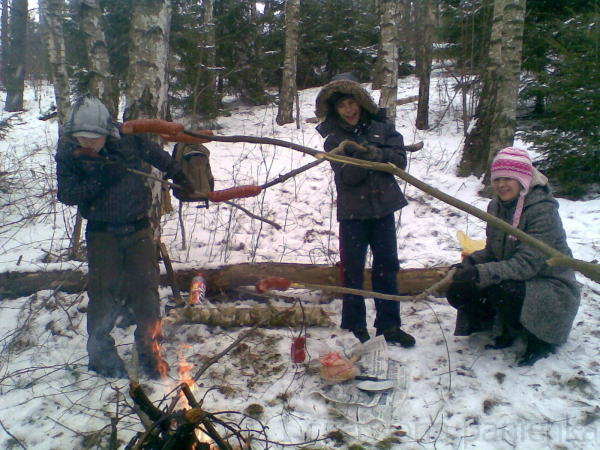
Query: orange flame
{"points": [[156, 335], [185, 369]]}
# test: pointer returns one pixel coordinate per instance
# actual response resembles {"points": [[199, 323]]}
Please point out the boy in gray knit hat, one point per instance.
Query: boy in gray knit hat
{"points": [[93, 159]]}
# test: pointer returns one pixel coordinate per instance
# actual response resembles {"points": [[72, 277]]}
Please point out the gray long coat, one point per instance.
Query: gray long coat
{"points": [[552, 295]]}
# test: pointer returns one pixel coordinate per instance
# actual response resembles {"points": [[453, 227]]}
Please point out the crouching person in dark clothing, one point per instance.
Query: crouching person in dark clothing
{"points": [[92, 162], [508, 285], [366, 202]]}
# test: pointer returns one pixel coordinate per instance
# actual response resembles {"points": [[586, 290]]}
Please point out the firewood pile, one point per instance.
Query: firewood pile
{"points": [[186, 428]]}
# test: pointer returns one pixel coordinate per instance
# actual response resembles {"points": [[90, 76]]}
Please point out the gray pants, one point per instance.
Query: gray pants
{"points": [[122, 267]]}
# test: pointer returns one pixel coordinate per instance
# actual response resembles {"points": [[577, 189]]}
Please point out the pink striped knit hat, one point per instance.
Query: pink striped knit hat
{"points": [[515, 163]]}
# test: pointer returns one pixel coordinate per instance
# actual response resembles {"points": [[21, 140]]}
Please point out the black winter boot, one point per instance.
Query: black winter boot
{"points": [[536, 349], [361, 334], [502, 341], [397, 336]]}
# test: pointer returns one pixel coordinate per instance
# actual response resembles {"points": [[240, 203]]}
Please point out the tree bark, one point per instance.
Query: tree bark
{"points": [[228, 316], [288, 78], [496, 111], [146, 94], [4, 42], [218, 280], [51, 17], [207, 99], [102, 83], [15, 68], [390, 11], [513, 19], [425, 14]]}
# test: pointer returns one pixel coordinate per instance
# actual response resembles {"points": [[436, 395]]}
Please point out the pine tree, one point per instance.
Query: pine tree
{"points": [[566, 97]]}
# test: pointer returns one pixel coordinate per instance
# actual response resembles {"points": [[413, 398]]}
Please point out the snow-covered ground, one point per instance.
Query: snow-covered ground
{"points": [[457, 394]]}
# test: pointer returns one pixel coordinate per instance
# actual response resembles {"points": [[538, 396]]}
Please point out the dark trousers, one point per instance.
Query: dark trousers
{"points": [[355, 238], [121, 267], [482, 305]]}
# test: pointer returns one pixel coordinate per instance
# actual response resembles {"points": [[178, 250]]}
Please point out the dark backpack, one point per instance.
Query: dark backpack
{"points": [[194, 161]]}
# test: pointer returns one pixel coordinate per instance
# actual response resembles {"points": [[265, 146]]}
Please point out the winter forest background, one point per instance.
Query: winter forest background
{"points": [[536, 61], [466, 77]]}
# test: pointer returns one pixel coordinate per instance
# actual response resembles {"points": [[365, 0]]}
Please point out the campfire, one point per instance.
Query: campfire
{"points": [[185, 379], [189, 427]]}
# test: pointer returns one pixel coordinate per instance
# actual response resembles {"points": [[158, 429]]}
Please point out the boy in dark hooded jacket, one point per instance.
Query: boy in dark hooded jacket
{"points": [[366, 202], [92, 162]]}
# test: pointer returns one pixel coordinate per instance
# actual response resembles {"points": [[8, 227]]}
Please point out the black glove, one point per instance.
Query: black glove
{"points": [[467, 262], [368, 153], [468, 274], [187, 187], [351, 148], [112, 172]]}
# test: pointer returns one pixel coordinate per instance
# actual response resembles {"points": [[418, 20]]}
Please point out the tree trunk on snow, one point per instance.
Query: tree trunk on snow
{"points": [[102, 83], [52, 18], [390, 12], [15, 69], [3, 42], [207, 100], [496, 111], [288, 78], [146, 95], [425, 15], [220, 280], [227, 316]]}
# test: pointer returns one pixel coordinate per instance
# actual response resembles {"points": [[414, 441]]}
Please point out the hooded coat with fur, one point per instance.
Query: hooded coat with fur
{"points": [[361, 193], [552, 295]]}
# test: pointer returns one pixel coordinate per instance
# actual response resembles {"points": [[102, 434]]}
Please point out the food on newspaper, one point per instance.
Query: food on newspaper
{"points": [[336, 369]]}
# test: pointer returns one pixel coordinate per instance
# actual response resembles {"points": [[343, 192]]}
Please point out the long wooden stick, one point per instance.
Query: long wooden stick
{"points": [[438, 287], [555, 258]]}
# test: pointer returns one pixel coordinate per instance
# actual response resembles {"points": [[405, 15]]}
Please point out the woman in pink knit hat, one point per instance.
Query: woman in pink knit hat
{"points": [[508, 287]]}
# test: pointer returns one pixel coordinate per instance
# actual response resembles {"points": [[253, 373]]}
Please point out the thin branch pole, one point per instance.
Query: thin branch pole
{"points": [[253, 216], [344, 290], [555, 258]]}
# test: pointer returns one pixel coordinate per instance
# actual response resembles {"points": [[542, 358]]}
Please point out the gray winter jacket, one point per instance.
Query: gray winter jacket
{"points": [[362, 193], [552, 294]]}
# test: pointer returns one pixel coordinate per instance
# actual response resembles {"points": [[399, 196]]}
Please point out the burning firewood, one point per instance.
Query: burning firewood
{"points": [[175, 430], [243, 316]]}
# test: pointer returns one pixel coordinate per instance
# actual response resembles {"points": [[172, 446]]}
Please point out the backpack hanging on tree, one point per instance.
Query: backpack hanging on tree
{"points": [[194, 161]]}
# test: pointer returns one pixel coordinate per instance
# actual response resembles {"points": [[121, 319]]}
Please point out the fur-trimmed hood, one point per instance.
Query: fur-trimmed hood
{"points": [[323, 106]]}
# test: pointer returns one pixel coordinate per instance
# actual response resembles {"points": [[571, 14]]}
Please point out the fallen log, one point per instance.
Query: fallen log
{"points": [[405, 100], [219, 280], [245, 316]]}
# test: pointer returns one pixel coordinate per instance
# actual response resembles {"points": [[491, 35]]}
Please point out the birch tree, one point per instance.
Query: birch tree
{"points": [[425, 21], [101, 83], [52, 18], [146, 93], [390, 11], [288, 78], [15, 62], [496, 112]]}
